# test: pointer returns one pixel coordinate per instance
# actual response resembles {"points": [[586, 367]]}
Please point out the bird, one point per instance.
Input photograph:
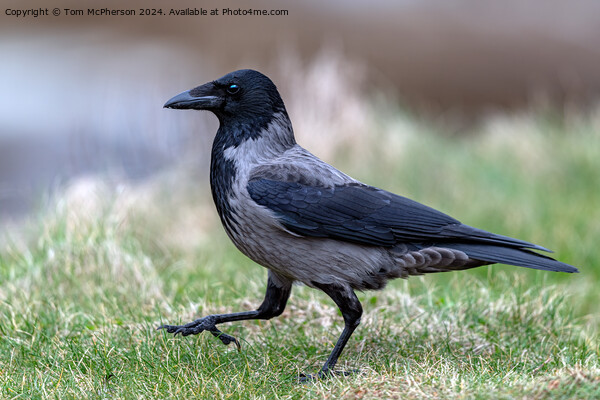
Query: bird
{"points": [[309, 223]]}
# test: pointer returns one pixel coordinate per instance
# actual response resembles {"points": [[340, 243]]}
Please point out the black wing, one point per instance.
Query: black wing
{"points": [[364, 214]]}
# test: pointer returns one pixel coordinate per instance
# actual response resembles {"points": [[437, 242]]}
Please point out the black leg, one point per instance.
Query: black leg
{"points": [[351, 310], [278, 292]]}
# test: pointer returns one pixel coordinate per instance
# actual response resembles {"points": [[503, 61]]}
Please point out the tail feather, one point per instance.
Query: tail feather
{"points": [[512, 256]]}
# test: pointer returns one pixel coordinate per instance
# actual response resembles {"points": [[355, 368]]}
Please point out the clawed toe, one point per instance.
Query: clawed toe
{"points": [[226, 339], [303, 378], [175, 329], [170, 328], [198, 326]]}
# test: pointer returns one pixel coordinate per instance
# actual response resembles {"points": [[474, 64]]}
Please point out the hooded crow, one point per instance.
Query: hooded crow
{"points": [[307, 222]]}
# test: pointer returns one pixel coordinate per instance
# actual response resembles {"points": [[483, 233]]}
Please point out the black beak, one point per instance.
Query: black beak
{"points": [[199, 98]]}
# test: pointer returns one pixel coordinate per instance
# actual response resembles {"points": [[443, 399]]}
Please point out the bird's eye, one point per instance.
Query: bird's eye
{"points": [[233, 89]]}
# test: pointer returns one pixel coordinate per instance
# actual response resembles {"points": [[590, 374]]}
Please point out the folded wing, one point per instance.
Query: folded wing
{"points": [[370, 216]]}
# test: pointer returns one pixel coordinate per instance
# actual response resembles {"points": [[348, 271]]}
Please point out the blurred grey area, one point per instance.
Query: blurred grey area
{"points": [[84, 95]]}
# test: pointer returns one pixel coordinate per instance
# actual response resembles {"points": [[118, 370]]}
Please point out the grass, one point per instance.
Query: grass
{"points": [[83, 291]]}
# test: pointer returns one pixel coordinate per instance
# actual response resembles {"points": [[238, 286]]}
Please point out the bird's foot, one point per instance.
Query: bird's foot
{"points": [[200, 325], [324, 374]]}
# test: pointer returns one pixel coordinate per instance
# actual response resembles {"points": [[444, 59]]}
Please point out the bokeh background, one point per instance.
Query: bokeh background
{"points": [[82, 95]]}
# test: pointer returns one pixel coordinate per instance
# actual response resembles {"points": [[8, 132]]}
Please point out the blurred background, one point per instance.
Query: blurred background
{"points": [[82, 95]]}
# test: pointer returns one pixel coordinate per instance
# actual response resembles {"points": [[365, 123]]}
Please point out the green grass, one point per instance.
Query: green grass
{"points": [[82, 294]]}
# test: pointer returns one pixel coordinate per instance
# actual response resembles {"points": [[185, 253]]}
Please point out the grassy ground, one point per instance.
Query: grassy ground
{"points": [[82, 294]]}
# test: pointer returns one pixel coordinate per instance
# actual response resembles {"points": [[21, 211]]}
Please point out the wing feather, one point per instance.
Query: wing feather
{"points": [[364, 214]]}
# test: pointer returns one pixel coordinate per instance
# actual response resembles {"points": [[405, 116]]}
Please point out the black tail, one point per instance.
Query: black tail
{"points": [[512, 256]]}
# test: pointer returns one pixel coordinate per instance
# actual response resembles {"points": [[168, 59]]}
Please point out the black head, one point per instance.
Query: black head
{"points": [[240, 96]]}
